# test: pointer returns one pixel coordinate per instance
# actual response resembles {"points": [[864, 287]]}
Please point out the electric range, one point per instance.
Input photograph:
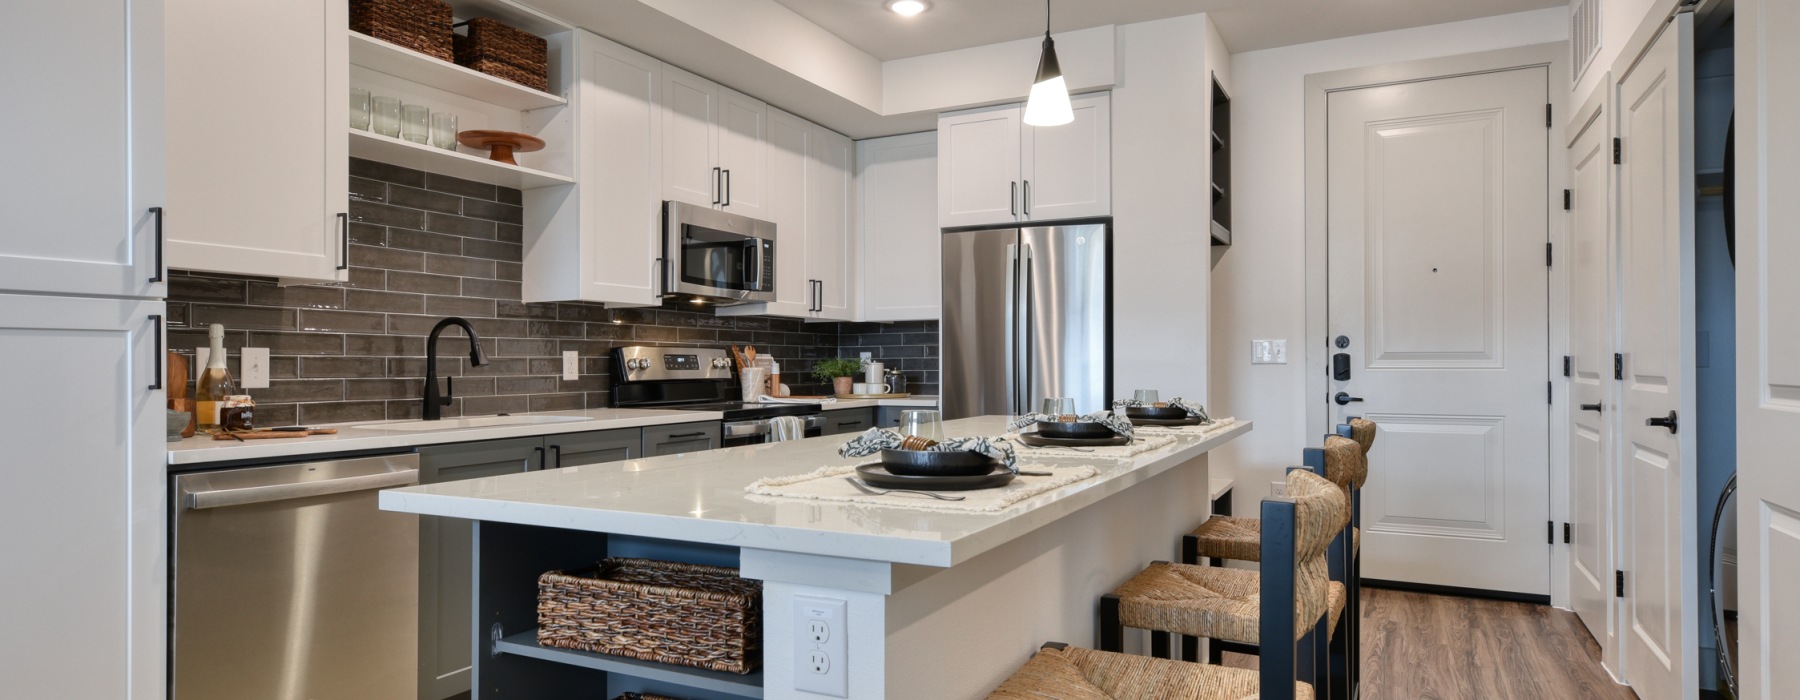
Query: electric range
{"points": [[698, 379]]}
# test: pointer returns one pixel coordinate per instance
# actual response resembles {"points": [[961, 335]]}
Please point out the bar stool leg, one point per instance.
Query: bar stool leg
{"points": [[1159, 645], [1190, 648], [1112, 631]]}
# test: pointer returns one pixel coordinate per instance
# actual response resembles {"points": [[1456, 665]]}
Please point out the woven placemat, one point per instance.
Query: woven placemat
{"points": [[828, 484], [1139, 444], [1217, 425]]}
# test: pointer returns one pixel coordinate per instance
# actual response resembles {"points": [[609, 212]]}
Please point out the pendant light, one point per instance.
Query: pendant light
{"points": [[1049, 102]]}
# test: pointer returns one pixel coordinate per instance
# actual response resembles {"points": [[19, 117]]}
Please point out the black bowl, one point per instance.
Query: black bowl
{"points": [[1156, 412], [1074, 430], [927, 463]]}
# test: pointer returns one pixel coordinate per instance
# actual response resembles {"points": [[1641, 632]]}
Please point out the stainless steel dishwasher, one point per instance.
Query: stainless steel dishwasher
{"points": [[290, 584]]}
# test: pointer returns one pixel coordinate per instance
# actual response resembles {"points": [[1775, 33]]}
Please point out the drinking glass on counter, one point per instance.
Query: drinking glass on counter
{"points": [[1062, 409], [385, 115], [1146, 397], [443, 130], [415, 123], [924, 424], [359, 108]]}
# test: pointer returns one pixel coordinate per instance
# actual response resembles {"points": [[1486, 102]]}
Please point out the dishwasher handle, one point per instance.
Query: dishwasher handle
{"points": [[219, 498]]}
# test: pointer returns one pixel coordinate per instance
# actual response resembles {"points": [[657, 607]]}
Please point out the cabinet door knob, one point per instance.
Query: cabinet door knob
{"points": [[1672, 422], [1593, 407]]}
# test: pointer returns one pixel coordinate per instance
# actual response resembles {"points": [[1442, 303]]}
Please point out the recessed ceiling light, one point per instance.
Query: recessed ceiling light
{"points": [[908, 8]]}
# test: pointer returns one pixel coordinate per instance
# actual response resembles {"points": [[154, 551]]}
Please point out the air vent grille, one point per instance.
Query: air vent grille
{"points": [[1584, 36]]}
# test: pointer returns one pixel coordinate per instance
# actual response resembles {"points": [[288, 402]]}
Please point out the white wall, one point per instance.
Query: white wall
{"points": [[1161, 203], [1259, 284]]}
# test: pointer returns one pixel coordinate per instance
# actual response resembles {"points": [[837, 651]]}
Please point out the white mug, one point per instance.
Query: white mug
{"points": [[869, 388], [874, 373]]}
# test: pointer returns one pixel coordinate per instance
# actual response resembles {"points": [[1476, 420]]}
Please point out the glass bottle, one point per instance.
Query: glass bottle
{"points": [[214, 384]]}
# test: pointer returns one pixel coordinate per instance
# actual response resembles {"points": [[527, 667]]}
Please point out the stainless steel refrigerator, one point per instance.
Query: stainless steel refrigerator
{"points": [[1027, 315]]}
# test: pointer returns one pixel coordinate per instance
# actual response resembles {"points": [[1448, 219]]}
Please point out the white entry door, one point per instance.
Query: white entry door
{"points": [[1437, 291], [1590, 369], [1768, 346], [1656, 322]]}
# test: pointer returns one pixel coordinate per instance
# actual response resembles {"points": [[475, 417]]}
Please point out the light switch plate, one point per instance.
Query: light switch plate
{"points": [[1268, 352], [820, 646], [255, 365], [571, 365], [865, 356]]}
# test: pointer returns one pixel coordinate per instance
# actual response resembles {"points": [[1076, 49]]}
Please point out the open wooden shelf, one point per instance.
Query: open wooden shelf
{"points": [[406, 154], [377, 55], [743, 686]]}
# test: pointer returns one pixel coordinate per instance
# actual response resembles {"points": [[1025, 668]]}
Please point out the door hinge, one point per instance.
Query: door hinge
{"points": [[1568, 366], [1568, 200], [1549, 255], [1618, 584], [1619, 366], [1567, 534], [1548, 122], [1618, 150]]}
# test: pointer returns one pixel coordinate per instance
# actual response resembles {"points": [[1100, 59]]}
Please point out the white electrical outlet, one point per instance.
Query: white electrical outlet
{"points": [[255, 365], [571, 365], [866, 356], [1278, 489], [819, 646], [1268, 352]]}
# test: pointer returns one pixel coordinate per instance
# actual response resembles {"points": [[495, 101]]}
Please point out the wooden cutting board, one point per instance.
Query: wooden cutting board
{"points": [[273, 434], [177, 375]]}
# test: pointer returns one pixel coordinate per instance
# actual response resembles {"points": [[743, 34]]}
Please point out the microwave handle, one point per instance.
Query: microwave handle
{"points": [[762, 265]]}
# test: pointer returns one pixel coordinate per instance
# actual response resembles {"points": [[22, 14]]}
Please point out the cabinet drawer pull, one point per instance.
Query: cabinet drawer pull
{"points": [[157, 214], [558, 460], [848, 423], [158, 364], [540, 458], [679, 436]]}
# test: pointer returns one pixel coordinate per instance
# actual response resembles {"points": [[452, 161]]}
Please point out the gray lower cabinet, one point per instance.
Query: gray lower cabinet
{"points": [[576, 449], [445, 561], [888, 416], [849, 420], [685, 437]]}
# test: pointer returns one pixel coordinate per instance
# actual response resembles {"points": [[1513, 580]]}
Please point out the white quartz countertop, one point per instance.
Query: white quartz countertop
{"points": [[202, 449], [700, 497]]}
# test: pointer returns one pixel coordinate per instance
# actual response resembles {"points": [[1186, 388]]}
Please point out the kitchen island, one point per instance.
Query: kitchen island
{"points": [[939, 604]]}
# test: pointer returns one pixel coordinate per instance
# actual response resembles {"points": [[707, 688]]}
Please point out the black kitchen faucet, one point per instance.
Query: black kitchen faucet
{"points": [[434, 403]]}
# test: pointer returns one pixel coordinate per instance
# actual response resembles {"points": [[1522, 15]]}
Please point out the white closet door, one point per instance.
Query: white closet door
{"points": [[690, 138], [978, 166], [85, 110], [1656, 307], [1768, 346], [1067, 170], [1591, 386], [259, 137], [85, 560]]}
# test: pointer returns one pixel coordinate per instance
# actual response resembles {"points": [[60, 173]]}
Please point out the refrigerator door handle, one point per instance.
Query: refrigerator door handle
{"points": [[1028, 327], [1012, 328]]}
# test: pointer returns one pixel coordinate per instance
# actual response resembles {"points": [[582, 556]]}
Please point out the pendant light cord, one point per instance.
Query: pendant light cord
{"points": [[1046, 18]]}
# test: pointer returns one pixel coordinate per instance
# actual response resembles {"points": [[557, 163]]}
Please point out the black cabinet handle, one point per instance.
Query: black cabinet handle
{"points": [[1012, 200], [679, 436], [557, 449], [1592, 407], [540, 457], [727, 187], [1027, 198], [1345, 399], [158, 363], [849, 423], [718, 189], [1672, 422], [344, 240], [157, 214]]}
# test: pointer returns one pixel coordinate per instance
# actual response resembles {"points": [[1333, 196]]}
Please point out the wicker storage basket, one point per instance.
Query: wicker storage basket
{"points": [[504, 52], [683, 614], [421, 25]]}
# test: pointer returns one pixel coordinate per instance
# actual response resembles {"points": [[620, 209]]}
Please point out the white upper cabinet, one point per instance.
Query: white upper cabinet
{"points": [[830, 247], [994, 169], [606, 247], [258, 109], [790, 140], [88, 149], [714, 145], [1066, 171], [978, 166], [897, 179]]}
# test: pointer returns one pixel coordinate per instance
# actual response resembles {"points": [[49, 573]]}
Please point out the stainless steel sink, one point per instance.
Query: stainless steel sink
{"points": [[419, 426]]}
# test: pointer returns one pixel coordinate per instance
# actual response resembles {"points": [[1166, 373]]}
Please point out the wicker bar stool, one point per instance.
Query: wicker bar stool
{"points": [[1062, 672], [1363, 432], [1227, 604]]}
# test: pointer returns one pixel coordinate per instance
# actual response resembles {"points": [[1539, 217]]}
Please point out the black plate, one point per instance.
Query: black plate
{"points": [[1036, 440], [1075, 430], [1190, 420], [924, 463], [1157, 412], [879, 477]]}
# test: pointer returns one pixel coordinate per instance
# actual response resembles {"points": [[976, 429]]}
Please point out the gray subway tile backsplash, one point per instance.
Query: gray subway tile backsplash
{"points": [[427, 246]]}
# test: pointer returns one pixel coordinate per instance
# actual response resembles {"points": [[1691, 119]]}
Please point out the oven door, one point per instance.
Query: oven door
{"points": [[756, 432], [724, 258]]}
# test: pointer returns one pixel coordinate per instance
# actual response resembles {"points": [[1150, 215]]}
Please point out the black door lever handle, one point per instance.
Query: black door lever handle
{"points": [[1592, 407], [1672, 422], [1345, 399]]}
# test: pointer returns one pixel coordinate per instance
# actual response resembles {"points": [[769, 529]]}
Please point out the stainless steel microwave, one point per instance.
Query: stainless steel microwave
{"points": [[717, 257]]}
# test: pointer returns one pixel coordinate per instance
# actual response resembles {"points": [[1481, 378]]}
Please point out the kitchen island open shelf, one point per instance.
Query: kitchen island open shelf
{"points": [[735, 685]]}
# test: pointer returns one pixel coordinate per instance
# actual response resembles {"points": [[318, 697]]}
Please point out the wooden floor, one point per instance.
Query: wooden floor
{"points": [[1431, 647]]}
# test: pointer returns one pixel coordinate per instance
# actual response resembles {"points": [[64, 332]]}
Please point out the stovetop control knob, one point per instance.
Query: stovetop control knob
{"points": [[718, 363]]}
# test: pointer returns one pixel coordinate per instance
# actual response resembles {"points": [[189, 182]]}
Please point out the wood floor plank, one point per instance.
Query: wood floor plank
{"points": [[1418, 646]]}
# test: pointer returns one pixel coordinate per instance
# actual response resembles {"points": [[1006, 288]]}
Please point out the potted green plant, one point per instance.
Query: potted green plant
{"points": [[840, 373]]}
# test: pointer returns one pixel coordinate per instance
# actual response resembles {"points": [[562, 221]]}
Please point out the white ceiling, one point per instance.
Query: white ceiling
{"points": [[1246, 25]]}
